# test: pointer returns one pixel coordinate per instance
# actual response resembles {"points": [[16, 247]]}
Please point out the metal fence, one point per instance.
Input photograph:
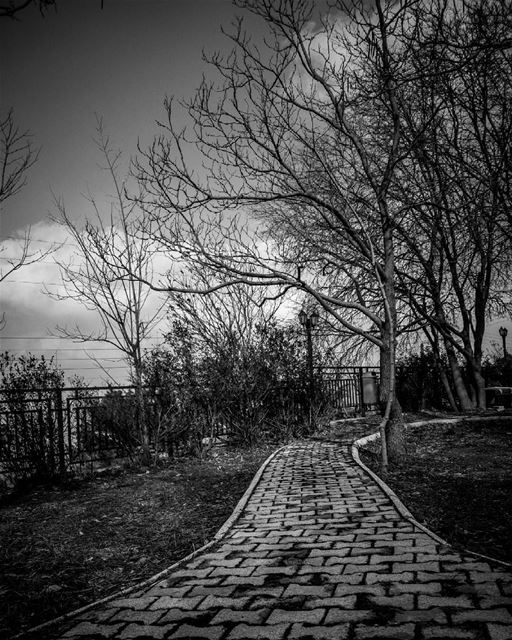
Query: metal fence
{"points": [[53, 431], [352, 389]]}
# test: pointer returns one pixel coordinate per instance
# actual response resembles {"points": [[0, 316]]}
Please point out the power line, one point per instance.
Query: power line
{"points": [[62, 338], [59, 349], [33, 259], [53, 284], [54, 243]]}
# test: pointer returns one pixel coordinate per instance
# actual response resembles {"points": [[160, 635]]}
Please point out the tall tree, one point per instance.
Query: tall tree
{"points": [[304, 128], [456, 183], [124, 306]]}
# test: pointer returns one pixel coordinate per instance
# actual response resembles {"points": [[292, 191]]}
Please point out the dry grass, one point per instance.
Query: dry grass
{"points": [[63, 547], [457, 480]]}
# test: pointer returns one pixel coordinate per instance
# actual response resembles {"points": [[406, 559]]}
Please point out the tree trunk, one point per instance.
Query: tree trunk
{"points": [[395, 435], [446, 385], [479, 384], [458, 382]]}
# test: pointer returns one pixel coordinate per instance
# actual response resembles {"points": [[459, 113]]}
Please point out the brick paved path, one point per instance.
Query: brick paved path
{"points": [[318, 552]]}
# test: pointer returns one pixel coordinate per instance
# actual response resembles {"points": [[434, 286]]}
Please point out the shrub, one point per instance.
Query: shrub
{"points": [[29, 439]]}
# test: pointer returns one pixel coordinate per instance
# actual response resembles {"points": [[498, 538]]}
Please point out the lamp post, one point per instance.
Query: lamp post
{"points": [[503, 334], [309, 322]]}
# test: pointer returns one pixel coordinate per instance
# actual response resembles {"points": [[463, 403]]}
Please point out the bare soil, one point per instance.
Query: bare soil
{"points": [[62, 547], [457, 480]]}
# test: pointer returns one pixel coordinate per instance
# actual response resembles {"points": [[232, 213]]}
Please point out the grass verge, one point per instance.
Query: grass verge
{"points": [[63, 547], [457, 481]]}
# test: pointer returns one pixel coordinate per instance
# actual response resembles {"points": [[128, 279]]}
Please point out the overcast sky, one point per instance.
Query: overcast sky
{"points": [[58, 72]]}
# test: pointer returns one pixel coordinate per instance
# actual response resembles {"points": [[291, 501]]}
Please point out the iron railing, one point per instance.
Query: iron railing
{"points": [[53, 431], [350, 388]]}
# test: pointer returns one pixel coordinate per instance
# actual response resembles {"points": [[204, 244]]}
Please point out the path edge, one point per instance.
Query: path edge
{"points": [[235, 514], [398, 504]]}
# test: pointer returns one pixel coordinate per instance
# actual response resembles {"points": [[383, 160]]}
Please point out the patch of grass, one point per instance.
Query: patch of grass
{"points": [[63, 547], [457, 480]]}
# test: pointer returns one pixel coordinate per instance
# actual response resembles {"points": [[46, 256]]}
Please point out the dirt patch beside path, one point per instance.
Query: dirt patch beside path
{"points": [[61, 548], [457, 480]]}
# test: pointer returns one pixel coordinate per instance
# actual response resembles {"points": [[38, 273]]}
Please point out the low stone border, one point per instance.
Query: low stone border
{"points": [[162, 574], [397, 503]]}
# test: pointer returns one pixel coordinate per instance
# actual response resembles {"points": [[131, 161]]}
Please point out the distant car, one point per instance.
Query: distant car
{"points": [[499, 397]]}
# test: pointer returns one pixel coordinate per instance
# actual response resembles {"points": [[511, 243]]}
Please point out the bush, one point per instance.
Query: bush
{"points": [[497, 371], [418, 382], [253, 389], [29, 386]]}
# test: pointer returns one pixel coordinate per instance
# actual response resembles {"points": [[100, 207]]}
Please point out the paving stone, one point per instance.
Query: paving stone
{"points": [[195, 574], [190, 631], [201, 590], [416, 566], [449, 633], [88, 629], [499, 631], [181, 616], [157, 632], [344, 602], [426, 602], [284, 615], [403, 557], [211, 602], [427, 615], [143, 617], [478, 615], [404, 601], [168, 602], [274, 632], [355, 589], [467, 566], [484, 576], [336, 632], [235, 571], [177, 592], [231, 615], [254, 581], [428, 588], [336, 615], [399, 578], [322, 591], [133, 603], [266, 571], [399, 632]]}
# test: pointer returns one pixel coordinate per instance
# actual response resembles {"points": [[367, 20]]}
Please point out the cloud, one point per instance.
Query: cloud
{"points": [[32, 316]]}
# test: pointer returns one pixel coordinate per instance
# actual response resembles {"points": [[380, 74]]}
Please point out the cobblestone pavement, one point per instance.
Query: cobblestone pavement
{"points": [[319, 552]]}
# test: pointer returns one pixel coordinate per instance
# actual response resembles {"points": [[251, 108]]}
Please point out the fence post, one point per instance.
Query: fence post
{"points": [[361, 391], [60, 431], [51, 437]]}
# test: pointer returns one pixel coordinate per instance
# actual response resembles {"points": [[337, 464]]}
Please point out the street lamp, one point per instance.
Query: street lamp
{"points": [[503, 334], [309, 322]]}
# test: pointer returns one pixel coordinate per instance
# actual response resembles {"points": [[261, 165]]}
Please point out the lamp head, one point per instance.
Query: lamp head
{"points": [[503, 332]]}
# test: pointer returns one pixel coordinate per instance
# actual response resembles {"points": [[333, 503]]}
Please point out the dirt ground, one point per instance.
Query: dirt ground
{"points": [[63, 547], [457, 480]]}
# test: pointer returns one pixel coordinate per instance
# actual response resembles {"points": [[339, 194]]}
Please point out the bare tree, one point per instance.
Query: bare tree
{"points": [[303, 129], [122, 304], [17, 155], [457, 183]]}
